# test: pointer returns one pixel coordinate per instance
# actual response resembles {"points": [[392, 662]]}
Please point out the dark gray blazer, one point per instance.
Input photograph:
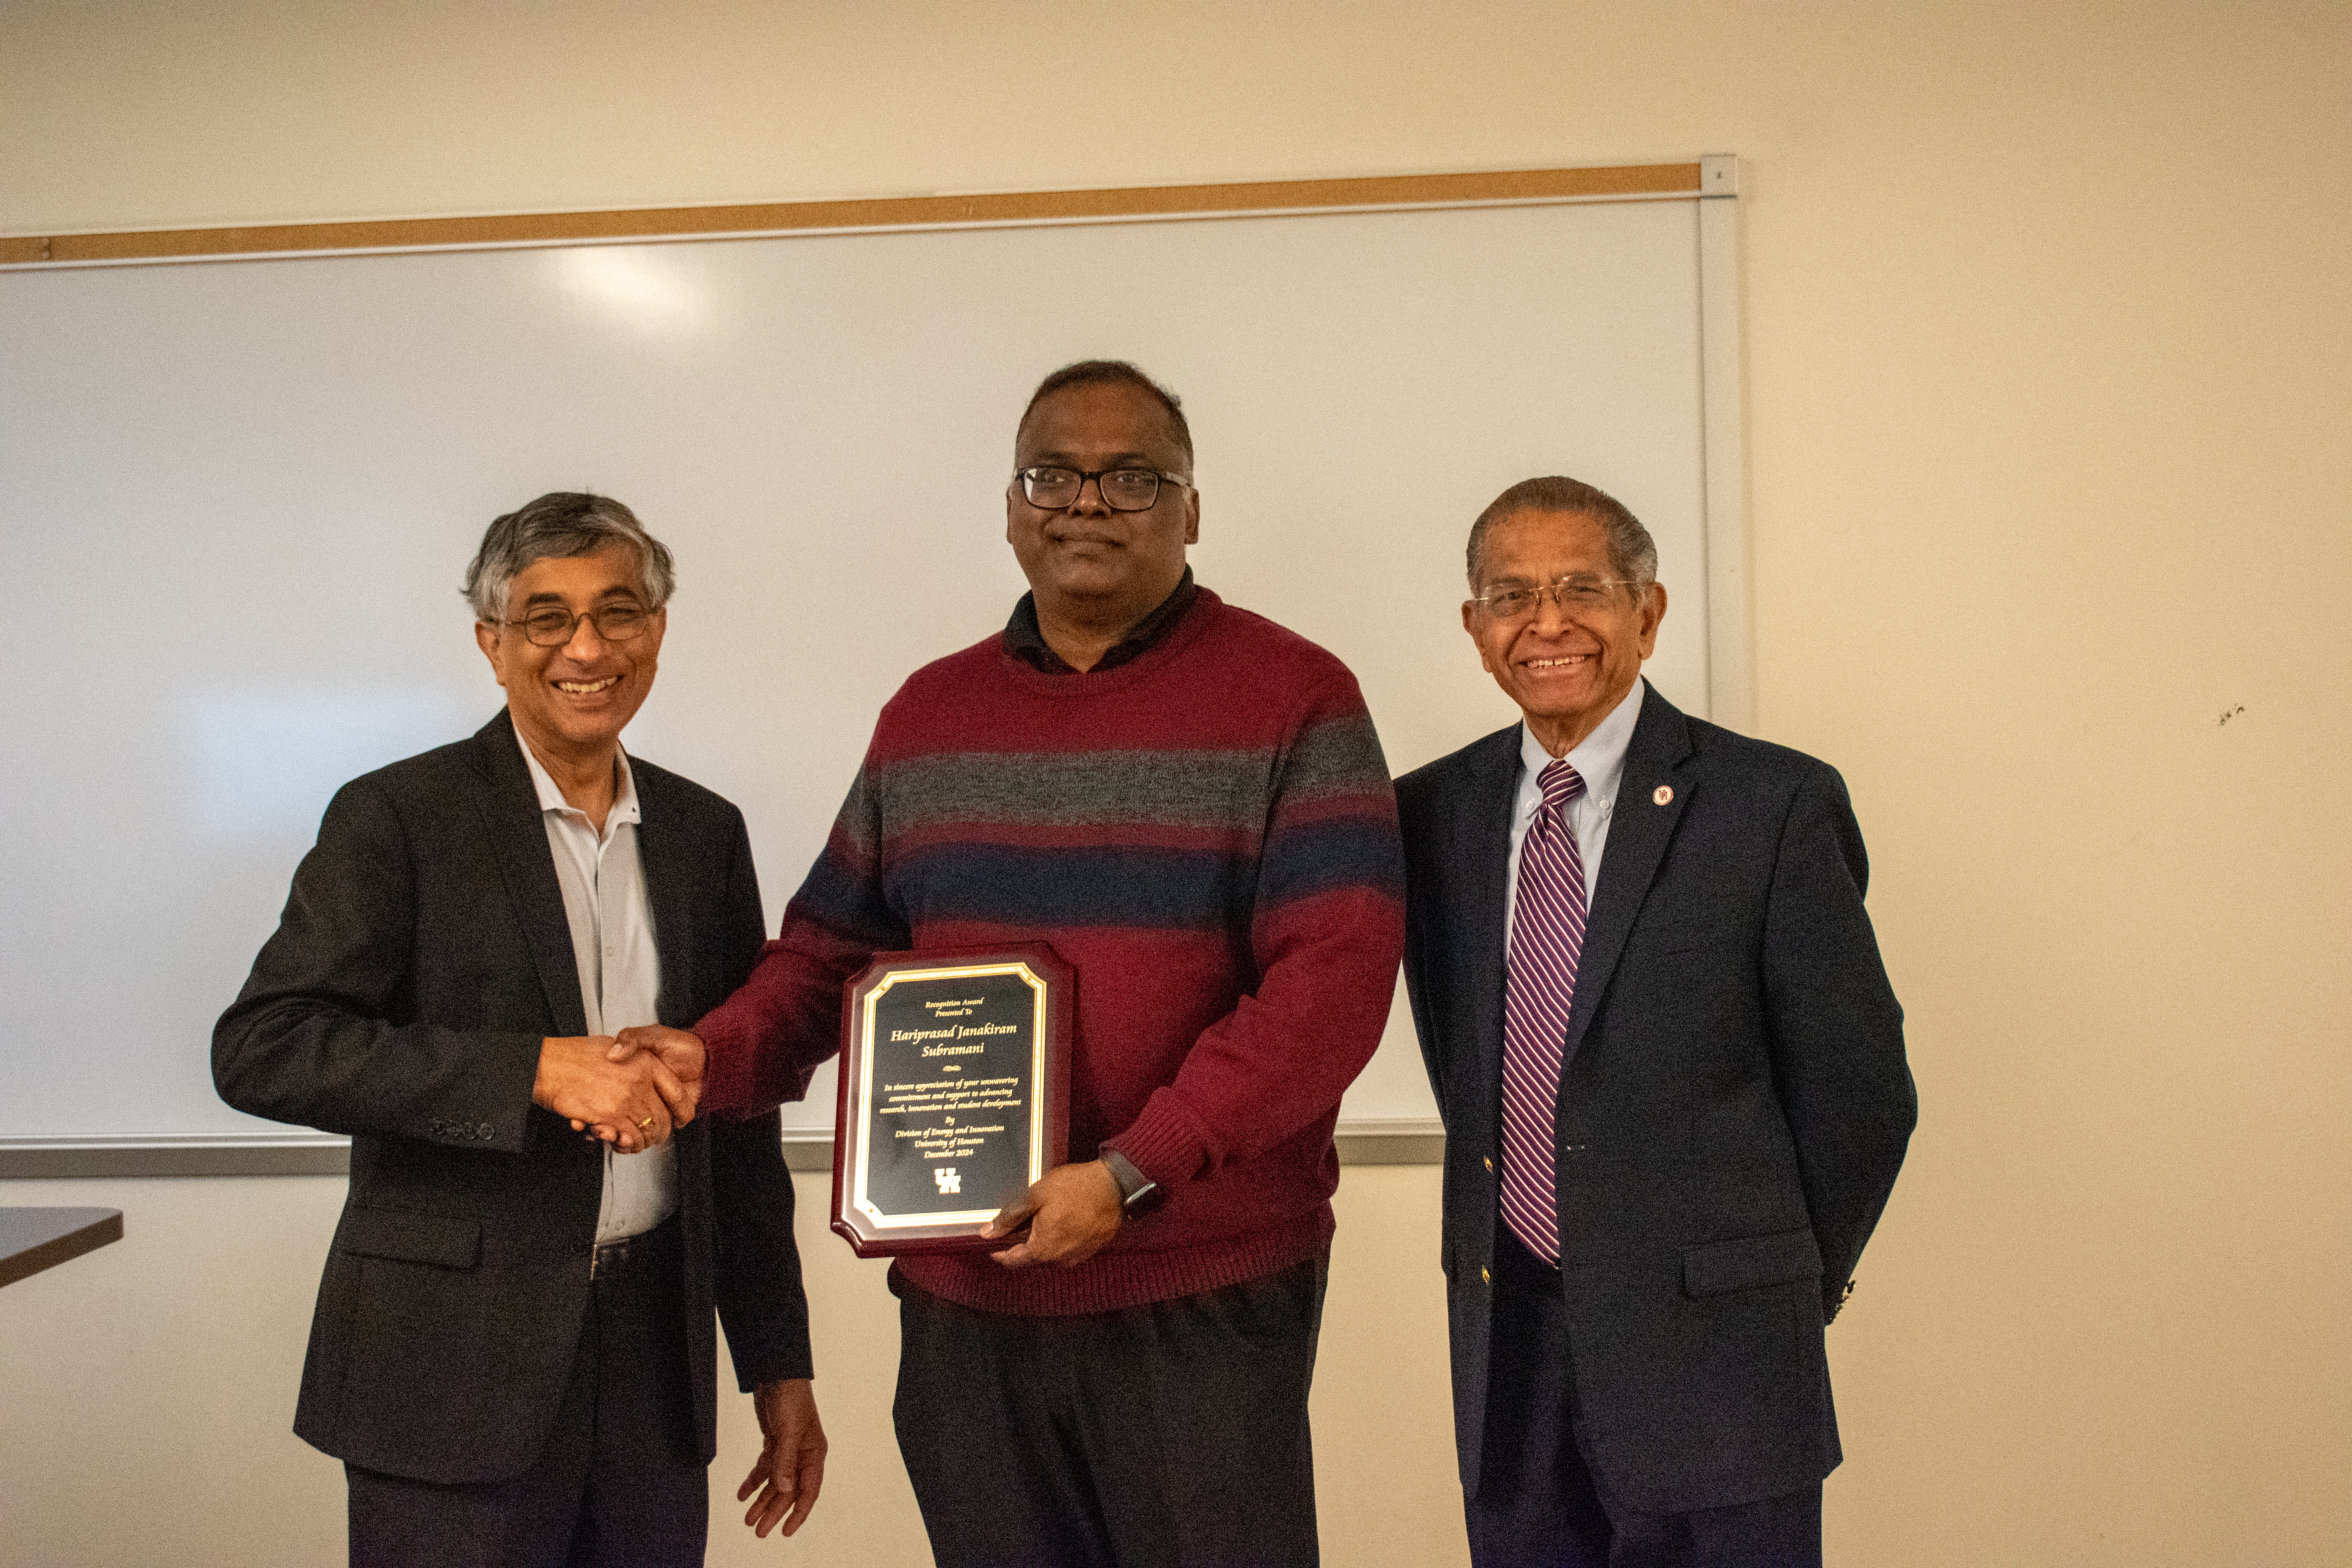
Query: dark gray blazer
{"points": [[422, 956], [1733, 1110]]}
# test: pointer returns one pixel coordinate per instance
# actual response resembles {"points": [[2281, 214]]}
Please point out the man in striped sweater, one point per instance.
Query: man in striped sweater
{"points": [[1190, 805]]}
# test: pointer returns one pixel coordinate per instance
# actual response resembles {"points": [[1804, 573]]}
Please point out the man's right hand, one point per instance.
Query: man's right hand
{"points": [[633, 1104], [679, 1050]]}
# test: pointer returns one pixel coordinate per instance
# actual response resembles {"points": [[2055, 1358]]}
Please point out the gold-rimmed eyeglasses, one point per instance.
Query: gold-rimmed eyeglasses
{"points": [[1511, 601]]}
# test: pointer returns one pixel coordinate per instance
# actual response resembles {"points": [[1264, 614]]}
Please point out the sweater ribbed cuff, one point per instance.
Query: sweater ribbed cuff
{"points": [[727, 1090], [1162, 1143]]}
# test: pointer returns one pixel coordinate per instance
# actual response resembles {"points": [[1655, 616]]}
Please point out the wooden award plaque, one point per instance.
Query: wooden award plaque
{"points": [[954, 1094]]}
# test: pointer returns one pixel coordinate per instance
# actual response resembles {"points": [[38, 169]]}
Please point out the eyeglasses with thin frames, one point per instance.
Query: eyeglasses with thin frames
{"points": [[552, 627], [1513, 601]]}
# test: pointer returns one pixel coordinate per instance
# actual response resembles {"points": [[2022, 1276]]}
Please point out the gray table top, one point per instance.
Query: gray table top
{"points": [[33, 1239]]}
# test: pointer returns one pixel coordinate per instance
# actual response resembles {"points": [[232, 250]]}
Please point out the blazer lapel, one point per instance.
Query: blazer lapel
{"points": [[1638, 830], [518, 835], [1482, 855]]}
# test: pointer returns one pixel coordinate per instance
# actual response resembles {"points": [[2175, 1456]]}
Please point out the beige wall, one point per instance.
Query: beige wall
{"points": [[2049, 391], [147, 1389]]}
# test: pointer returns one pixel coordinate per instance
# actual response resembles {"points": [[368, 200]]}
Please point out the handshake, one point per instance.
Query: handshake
{"points": [[631, 1090]]}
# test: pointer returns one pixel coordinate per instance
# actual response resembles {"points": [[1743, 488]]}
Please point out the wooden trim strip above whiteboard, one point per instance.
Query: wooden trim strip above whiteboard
{"points": [[1265, 196]]}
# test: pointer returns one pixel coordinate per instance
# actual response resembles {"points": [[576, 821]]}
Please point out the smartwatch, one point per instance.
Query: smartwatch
{"points": [[1139, 1194]]}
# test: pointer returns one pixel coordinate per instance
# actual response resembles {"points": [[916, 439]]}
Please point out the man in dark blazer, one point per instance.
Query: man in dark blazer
{"points": [[513, 1351], [1671, 1071]]}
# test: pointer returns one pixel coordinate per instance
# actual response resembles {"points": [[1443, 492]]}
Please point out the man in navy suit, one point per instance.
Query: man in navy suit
{"points": [[1671, 1069]]}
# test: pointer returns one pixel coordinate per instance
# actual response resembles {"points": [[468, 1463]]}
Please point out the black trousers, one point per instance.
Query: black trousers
{"points": [[1536, 1506], [1166, 1436], [621, 1481]]}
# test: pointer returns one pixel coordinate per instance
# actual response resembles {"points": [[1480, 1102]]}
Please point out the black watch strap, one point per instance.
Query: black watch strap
{"points": [[1137, 1193]]}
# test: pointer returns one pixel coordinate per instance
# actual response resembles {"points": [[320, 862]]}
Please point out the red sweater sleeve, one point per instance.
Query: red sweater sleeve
{"points": [[1327, 935], [767, 1040]]}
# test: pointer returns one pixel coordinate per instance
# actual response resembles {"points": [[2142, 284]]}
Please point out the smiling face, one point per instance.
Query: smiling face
{"points": [[1086, 563], [1565, 668], [571, 703]]}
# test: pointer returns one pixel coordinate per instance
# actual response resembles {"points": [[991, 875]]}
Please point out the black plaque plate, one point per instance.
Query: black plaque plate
{"points": [[954, 1094]]}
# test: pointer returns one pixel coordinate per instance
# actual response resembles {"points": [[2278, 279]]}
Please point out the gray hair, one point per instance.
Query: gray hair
{"points": [[1633, 553], [558, 526]]}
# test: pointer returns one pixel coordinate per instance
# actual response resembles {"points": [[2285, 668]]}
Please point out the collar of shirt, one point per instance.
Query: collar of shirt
{"points": [[550, 797], [1024, 639], [1599, 760]]}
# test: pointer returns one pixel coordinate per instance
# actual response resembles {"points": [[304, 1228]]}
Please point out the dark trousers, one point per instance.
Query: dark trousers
{"points": [[621, 1481], [1168, 1436], [1536, 1505]]}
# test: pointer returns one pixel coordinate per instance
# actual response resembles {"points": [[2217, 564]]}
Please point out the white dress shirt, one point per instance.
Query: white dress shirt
{"points": [[620, 972], [1600, 761]]}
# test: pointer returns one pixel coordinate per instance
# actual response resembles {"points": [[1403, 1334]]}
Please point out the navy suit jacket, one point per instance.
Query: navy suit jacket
{"points": [[423, 956], [1732, 1111]]}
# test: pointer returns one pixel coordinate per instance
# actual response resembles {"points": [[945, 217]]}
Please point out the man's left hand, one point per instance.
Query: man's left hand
{"points": [[790, 1468], [1072, 1212]]}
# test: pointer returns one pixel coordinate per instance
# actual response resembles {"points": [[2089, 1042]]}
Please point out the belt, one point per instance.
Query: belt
{"points": [[634, 1256]]}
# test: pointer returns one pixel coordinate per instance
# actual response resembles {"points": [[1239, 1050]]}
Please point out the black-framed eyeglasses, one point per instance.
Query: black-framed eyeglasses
{"points": [[552, 627], [1571, 593], [1051, 488]]}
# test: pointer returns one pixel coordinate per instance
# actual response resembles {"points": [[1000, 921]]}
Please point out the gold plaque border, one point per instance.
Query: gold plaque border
{"points": [[1039, 1066]]}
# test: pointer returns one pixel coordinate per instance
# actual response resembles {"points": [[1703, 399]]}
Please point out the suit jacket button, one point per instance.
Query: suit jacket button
{"points": [[1484, 1277], [485, 1133], [1490, 1164]]}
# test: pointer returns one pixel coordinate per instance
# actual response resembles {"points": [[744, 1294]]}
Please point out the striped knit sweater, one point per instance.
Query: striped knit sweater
{"points": [[1208, 835]]}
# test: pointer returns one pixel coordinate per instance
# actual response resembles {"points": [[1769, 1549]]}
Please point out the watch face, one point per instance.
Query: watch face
{"points": [[1144, 1199]]}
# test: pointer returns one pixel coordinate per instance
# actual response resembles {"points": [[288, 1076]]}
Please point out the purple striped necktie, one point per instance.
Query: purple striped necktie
{"points": [[1547, 935]]}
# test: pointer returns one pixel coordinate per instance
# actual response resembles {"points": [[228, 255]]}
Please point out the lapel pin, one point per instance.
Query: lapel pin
{"points": [[1663, 793]]}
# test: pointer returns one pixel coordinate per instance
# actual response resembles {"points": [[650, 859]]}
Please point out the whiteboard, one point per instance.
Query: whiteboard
{"points": [[240, 495]]}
